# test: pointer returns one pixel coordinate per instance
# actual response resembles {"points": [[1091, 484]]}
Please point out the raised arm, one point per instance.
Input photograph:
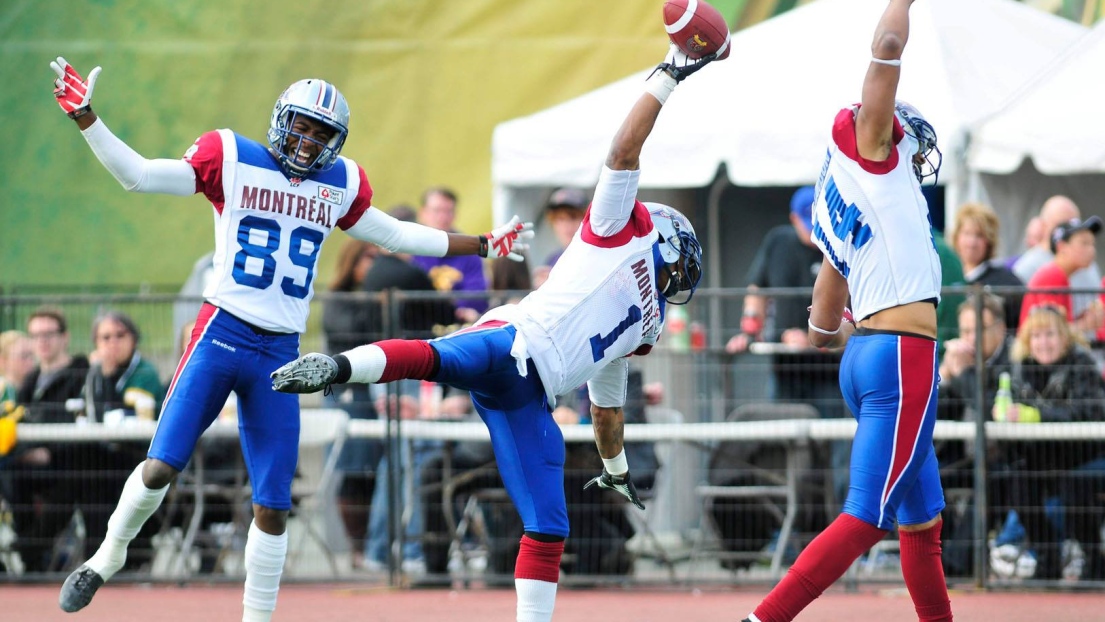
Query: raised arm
{"points": [[135, 172], [408, 237], [875, 121]]}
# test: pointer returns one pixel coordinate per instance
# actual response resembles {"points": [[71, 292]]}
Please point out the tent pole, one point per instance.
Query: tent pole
{"points": [[713, 239]]}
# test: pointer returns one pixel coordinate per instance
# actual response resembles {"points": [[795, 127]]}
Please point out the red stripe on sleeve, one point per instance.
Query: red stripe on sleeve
{"points": [[361, 203], [638, 226], [844, 135]]}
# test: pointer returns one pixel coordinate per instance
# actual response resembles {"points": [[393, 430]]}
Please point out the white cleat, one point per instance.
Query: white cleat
{"points": [[309, 373]]}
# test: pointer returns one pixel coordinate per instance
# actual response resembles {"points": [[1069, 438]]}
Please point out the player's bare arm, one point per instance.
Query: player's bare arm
{"points": [[875, 120], [609, 426], [827, 328]]}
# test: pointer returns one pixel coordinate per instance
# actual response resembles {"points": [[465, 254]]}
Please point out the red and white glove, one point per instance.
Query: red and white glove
{"points": [[74, 93], [504, 241]]}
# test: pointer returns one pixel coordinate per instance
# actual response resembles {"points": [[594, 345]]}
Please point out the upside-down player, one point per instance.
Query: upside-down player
{"points": [[603, 301], [872, 223], [274, 205]]}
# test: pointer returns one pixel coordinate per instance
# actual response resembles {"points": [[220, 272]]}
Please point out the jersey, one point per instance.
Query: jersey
{"points": [[872, 222], [599, 304], [269, 228]]}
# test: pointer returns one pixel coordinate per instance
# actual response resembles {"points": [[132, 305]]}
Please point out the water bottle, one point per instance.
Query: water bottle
{"points": [[1004, 398], [675, 326]]}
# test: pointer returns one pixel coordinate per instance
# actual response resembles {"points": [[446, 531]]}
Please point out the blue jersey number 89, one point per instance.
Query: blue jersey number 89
{"points": [[265, 254]]}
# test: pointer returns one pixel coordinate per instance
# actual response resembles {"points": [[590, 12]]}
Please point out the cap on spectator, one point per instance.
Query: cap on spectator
{"points": [[801, 205], [573, 198], [1062, 232]]}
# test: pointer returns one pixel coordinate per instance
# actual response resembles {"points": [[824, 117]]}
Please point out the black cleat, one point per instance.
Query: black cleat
{"points": [[79, 588]]}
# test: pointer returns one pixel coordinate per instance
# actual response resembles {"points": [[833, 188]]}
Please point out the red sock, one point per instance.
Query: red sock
{"points": [[821, 563], [924, 574], [539, 560], [407, 359]]}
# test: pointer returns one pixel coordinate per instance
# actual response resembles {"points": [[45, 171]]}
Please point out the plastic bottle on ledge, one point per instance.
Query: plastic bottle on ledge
{"points": [[675, 327], [1004, 398]]}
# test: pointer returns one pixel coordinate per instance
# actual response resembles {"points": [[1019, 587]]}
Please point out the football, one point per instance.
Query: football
{"points": [[696, 28]]}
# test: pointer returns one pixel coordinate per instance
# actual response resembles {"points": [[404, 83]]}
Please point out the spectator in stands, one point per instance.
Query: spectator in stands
{"points": [[1072, 244], [58, 376], [17, 359], [121, 379], [951, 275], [345, 324], [564, 213], [1056, 211], [975, 240], [1033, 233], [959, 382], [1055, 379], [456, 273]]}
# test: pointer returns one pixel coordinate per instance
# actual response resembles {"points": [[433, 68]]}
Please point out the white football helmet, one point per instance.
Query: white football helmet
{"points": [[680, 250], [921, 131], [320, 101]]}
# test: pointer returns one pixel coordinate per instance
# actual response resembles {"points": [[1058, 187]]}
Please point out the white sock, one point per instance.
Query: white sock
{"points": [[366, 363], [264, 561], [136, 504], [536, 600], [617, 465]]}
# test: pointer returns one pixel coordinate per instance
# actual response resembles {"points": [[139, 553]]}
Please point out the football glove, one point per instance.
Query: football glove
{"points": [[620, 484], [309, 373], [503, 241], [679, 65], [74, 93]]}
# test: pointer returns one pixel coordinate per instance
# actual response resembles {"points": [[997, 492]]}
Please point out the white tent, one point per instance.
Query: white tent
{"points": [[1048, 140], [765, 112], [1057, 123]]}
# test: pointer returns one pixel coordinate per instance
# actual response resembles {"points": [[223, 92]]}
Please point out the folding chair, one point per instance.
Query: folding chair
{"points": [[776, 490], [322, 435]]}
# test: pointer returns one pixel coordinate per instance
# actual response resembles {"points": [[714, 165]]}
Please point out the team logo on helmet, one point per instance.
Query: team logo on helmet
{"points": [[927, 161]]}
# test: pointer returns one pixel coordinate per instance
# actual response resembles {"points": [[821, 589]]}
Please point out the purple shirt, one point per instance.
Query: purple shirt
{"points": [[459, 273]]}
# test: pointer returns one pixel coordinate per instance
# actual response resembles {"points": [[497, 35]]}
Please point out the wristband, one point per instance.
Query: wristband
{"points": [[483, 246], [660, 84], [79, 112], [894, 62], [822, 330]]}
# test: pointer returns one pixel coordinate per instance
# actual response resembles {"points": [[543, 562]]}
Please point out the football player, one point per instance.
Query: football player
{"points": [[274, 205], [603, 301], [872, 224]]}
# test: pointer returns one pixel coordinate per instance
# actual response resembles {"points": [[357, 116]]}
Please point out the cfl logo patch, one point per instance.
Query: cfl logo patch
{"points": [[331, 195]]}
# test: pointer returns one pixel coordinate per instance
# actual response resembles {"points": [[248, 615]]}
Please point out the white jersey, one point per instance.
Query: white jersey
{"points": [[872, 223], [269, 229], [600, 302]]}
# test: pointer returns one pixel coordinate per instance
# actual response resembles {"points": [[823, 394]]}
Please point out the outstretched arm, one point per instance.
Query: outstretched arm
{"points": [[408, 237], [134, 172], [875, 121]]}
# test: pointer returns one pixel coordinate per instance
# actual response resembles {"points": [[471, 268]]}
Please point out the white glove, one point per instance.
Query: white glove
{"points": [[74, 93], [678, 65], [503, 241]]}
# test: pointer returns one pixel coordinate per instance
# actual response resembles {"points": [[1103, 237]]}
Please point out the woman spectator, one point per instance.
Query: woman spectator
{"points": [[17, 359], [975, 241], [120, 379], [1055, 379]]}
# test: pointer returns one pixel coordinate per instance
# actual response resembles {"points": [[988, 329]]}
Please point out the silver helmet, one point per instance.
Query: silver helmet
{"points": [[680, 250], [922, 132], [320, 101]]}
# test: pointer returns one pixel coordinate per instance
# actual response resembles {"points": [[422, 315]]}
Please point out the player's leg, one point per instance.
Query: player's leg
{"points": [[197, 392], [919, 508], [269, 426], [829, 555], [529, 450]]}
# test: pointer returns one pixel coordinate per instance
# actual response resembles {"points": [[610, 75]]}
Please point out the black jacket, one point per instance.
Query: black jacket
{"points": [[47, 405]]}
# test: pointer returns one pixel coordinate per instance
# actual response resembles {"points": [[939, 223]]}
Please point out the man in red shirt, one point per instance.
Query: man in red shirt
{"points": [[1073, 245]]}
